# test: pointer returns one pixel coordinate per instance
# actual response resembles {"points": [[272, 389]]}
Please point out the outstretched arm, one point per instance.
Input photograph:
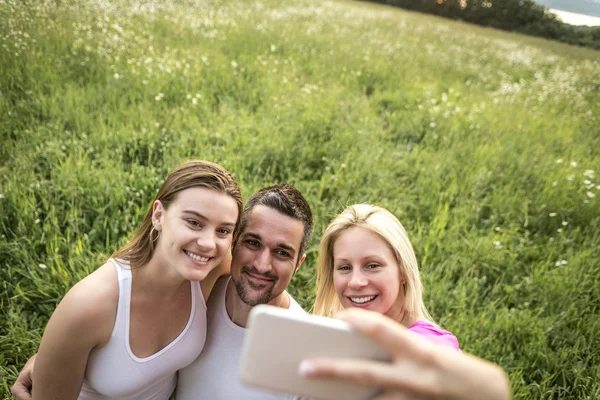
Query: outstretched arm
{"points": [[419, 370]]}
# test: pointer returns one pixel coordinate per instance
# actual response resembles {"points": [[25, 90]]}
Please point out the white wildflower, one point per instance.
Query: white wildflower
{"points": [[590, 195], [234, 64], [589, 173], [573, 164], [565, 223], [497, 244], [42, 266], [570, 178], [559, 161], [553, 214], [116, 75], [273, 47], [561, 262]]}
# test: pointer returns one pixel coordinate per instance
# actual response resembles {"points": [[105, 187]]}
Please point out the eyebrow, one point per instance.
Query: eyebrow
{"points": [[372, 257], [280, 245], [202, 217], [339, 260]]}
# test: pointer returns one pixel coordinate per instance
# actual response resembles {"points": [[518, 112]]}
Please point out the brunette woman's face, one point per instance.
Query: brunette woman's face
{"points": [[196, 231], [366, 273]]}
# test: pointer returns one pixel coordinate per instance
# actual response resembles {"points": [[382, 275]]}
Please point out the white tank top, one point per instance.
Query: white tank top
{"points": [[114, 372], [215, 373]]}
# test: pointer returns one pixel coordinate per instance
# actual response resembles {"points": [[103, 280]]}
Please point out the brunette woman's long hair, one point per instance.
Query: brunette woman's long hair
{"points": [[191, 174]]}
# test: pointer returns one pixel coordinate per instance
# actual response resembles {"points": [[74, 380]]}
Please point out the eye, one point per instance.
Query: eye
{"points": [[223, 231], [283, 254], [193, 222], [344, 268], [372, 266], [252, 243]]}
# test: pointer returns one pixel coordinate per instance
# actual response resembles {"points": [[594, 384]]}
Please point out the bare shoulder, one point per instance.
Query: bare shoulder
{"points": [[82, 322], [208, 283], [91, 305]]}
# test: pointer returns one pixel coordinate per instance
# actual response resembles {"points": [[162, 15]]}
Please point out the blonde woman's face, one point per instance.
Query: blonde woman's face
{"points": [[366, 273]]}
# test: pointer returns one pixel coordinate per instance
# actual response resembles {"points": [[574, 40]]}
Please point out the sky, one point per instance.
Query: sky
{"points": [[586, 7]]}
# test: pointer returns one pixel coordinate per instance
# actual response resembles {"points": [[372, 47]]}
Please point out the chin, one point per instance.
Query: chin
{"points": [[198, 273], [196, 276]]}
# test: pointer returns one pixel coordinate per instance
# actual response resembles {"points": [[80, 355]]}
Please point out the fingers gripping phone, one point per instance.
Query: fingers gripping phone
{"points": [[277, 341]]}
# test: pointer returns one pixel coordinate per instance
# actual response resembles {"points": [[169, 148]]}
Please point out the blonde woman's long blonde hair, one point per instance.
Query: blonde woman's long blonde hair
{"points": [[384, 224]]}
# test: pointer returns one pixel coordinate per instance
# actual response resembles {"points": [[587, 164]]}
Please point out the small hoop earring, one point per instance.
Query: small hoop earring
{"points": [[153, 230]]}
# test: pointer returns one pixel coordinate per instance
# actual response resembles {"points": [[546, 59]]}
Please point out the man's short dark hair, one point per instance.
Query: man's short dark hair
{"points": [[286, 199]]}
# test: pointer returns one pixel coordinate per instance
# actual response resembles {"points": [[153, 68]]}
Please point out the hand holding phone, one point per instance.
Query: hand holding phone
{"points": [[278, 340]]}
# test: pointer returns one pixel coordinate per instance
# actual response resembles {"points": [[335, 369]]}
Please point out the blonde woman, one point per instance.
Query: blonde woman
{"points": [[124, 331], [367, 268], [367, 261]]}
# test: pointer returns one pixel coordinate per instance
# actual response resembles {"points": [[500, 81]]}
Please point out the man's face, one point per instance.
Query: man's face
{"points": [[265, 258]]}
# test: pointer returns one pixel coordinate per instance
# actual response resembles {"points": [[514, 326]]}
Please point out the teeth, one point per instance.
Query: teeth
{"points": [[361, 300], [197, 258]]}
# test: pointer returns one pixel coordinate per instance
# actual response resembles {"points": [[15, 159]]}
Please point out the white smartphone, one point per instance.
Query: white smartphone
{"points": [[277, 341]]}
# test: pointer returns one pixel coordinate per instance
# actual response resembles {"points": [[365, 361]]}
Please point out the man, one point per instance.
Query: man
{"points": [[275, 228], [274, 231]]}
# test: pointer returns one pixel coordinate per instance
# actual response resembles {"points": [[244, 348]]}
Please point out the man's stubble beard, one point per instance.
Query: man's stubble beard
{"points": [[244, 292]]}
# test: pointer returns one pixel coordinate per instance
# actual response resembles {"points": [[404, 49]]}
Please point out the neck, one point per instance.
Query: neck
{"points": [[238, 311], [157, 279], [403, 318]]}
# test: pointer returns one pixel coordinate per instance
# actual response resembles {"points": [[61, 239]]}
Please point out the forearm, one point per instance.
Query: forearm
{"points": [[465, 377]]}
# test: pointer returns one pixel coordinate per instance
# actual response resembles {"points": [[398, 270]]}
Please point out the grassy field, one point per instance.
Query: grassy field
{"points": [[484, 143]]}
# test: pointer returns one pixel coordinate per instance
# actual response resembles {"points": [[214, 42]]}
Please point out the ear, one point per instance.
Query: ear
{"points": [[158, 212], [299, 263]]}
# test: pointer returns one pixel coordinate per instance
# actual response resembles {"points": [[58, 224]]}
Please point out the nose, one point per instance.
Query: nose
{"points": [[206, 241], [357, 279], [262, 260]]}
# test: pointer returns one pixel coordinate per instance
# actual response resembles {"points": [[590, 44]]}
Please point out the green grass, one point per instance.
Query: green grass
{"points": [[456, 129]]}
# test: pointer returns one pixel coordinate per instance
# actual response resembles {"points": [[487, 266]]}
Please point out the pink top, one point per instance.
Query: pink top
{"points": [[434, 334]]}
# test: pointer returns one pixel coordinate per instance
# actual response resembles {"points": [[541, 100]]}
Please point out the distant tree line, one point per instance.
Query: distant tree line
{"points": [[522, 16]]}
